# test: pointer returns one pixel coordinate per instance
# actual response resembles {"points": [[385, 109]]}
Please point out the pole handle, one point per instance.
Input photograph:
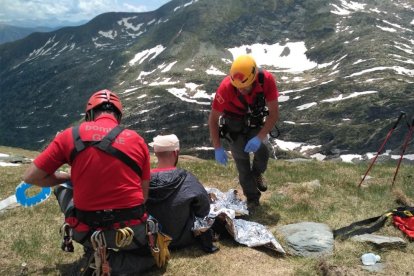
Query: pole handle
{"points": [[402, 114]]}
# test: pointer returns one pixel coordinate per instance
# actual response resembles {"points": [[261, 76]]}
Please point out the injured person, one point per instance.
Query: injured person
{"points": [[176, 197]]}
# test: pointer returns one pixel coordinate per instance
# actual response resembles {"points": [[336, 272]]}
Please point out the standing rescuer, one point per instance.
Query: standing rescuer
{"points": [[244, 111]]}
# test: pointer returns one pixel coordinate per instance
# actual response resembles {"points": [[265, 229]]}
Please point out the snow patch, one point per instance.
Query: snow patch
{"points": [[352, 95], [290, 57], [306, 106], [143, 55], [214, 71]]}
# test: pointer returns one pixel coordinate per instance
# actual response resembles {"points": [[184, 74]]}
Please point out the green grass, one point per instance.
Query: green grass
{"points": [[30, 240]]}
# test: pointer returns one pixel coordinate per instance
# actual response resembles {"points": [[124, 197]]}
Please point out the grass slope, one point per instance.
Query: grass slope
{"points": [[30, 241]]}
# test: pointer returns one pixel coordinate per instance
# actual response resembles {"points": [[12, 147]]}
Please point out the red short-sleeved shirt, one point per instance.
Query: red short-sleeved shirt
{"points": [[226, 97], [100, 180], [155, 170]]}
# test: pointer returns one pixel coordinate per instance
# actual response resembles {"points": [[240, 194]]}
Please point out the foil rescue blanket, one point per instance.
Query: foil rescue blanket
{"points": [[227, 206]]}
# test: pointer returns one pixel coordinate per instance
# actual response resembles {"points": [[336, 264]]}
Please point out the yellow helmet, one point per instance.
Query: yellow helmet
{"points": [[243, 71]]}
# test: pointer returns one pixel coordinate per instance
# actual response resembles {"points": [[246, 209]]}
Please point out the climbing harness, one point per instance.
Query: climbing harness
{"points": [[105, 145], [255, 114], [112, 218]]}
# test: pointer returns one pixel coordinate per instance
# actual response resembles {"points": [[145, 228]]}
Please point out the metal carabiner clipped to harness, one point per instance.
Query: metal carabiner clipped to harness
{"points": [[152, 230], [66, 233], [124, 237]]}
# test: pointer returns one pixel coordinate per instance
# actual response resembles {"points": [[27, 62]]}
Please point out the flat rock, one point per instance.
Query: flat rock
{"points": [[308, 239], [381, 241]]}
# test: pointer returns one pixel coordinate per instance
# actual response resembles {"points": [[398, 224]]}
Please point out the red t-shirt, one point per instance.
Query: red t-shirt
{"points": [[100, 181], [227, 98]]}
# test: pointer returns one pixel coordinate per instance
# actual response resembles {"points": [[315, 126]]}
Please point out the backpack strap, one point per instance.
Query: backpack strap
{"points": [[105, 145], [366, 226]]}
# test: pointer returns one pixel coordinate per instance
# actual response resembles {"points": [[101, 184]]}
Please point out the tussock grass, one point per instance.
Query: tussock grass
{"points": [[30, 241]]}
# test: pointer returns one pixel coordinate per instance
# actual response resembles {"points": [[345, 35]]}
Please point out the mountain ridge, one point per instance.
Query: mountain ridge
{"points": [[9, 33]]}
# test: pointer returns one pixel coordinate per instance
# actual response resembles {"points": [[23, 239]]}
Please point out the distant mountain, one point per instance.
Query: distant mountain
{"points": [[344, 69], [10, 33]]}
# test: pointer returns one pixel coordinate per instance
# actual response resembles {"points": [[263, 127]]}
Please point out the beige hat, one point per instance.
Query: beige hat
{"points": [[163, 143]]}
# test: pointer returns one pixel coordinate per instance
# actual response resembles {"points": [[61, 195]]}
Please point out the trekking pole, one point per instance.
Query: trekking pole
{"points": [[407, 140], [402, 114]]}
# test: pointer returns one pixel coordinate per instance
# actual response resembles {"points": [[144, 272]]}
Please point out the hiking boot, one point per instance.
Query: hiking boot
{"points": [[252, 204], [261, 184]]}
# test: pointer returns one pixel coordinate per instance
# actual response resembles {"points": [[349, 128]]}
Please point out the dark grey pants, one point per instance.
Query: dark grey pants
{"points": [[248, 170]]}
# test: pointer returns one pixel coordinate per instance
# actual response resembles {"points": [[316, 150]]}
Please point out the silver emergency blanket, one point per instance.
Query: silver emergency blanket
{"points": [[228, 203], [228, 206]]}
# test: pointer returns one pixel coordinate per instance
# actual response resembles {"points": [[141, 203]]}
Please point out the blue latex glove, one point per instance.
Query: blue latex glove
{"points": [[220, 156], [253, 145]]}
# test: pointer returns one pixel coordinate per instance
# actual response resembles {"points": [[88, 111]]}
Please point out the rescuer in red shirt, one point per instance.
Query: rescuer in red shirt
{"points": [[244, 111], [100, 180], [110, 172]]}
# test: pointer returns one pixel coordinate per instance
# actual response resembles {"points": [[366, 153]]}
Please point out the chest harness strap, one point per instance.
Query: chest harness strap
{"points": [[105, 145], [255, 114], [258, 104]]}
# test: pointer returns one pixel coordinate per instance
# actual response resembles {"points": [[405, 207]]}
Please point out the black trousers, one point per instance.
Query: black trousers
{"points": [[247, 169]]}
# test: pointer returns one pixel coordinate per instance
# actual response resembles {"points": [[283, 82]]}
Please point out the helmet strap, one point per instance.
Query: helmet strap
{"points": [[89, 116]]}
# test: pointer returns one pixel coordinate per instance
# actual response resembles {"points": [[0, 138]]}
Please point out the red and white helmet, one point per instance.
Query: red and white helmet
{"points": [[101, 97]]}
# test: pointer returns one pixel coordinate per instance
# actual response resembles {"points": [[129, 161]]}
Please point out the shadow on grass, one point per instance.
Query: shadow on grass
{"points": [[74, 268], [270, 252], [263, 214], [66, 269]]}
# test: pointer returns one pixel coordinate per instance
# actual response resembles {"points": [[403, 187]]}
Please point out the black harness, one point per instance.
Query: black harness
{"points": [[106, 218], [254, 114], [258, 105], [105, 145]]}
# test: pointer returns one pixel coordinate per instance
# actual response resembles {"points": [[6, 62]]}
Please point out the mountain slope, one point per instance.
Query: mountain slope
{"points": [[344, 69]]}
